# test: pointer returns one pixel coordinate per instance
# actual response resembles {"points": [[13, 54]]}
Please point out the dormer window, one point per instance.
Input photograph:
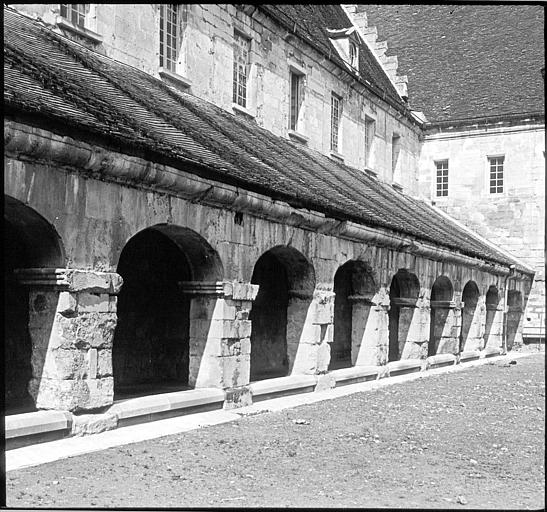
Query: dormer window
{"points": [[353, 55], [346, 41]]}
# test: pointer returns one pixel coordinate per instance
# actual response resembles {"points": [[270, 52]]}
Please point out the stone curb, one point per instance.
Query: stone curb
{"points": [[264, 389], [48, 452], [25, 429], [40, 422], [345, 376]]}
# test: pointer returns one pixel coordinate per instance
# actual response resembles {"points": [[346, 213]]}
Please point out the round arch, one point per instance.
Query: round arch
{"points": [[151, 347], [403, 294], [442, 289], [470, 330], [30, 241], [354, 287], [284, 276]]}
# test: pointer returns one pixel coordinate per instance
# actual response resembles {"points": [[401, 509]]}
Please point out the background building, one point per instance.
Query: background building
{"points": [[475, 71]]}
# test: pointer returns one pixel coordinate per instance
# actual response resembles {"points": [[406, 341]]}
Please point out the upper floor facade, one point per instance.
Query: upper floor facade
{"points": [[252, 64]]}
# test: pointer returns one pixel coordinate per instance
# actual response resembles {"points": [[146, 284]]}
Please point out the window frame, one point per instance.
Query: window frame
{"points": [[499, 174], [295, 99], [72, 13], [244, 58], [353, 59], [166, 51], [370, 135], [442, 184], [335, 121]]}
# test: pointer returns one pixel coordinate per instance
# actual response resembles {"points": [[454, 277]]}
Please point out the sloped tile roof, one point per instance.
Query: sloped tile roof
{"points": [[80, 91], [311, 22], [466, 61]]}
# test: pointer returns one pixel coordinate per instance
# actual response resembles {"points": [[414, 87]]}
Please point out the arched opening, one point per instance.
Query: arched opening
{"points": [[515, 309], [286, 282], [442, 293], [354, 288], [30, 241], [151, 346], [403, 294], [492, 327], [470, 331]]}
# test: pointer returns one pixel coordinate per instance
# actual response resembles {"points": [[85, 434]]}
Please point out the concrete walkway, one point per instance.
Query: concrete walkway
{"points": [[61, 449]]}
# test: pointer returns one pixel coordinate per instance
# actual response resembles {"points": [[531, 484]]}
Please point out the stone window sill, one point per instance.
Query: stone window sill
{"points": [[180, 80], [298, 136], [81, 31], [337, 156], [242, 110]]}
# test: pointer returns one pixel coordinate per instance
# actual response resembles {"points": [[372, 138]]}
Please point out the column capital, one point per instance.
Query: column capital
{"points": [[404, 302], [442, 304], [363, 299], [68, 279], [213, 288], [301, 294]]}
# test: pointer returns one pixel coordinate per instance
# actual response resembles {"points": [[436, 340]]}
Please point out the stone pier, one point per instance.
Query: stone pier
{"points": [[72, 317]]}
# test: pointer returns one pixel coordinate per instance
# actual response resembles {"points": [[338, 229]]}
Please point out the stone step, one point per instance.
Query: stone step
{"points": [[36, 427], [470, 355], [439, 360], [404, 366], [490, 352], [279, 386], [354, 374], [166, 405]]}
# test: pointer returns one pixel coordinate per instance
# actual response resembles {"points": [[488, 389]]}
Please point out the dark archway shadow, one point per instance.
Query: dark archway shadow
{"points": [[354, 288], [286, 283], [442, 294], [469, 333], [30, 241], [492, 302], [156, 338], [403, 295], [514, 316]]}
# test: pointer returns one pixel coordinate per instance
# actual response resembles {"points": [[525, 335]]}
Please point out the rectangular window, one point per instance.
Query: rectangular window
{"points": [[335, 114], [242, 50], [169, 36], [442, 178], [395, 151], [370, 131], [294, 100], [75, 13], [496, 174]]}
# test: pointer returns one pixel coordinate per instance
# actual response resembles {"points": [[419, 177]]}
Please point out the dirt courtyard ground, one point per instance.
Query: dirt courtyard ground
{"points": [[469, 439]]}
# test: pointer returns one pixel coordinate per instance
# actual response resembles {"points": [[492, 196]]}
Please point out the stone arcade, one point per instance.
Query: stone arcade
{"points": [[129, 274]]}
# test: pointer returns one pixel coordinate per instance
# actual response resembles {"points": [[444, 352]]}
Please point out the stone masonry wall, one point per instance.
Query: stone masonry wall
{"points": [[72, 347], [131, 34], [515, 219]]}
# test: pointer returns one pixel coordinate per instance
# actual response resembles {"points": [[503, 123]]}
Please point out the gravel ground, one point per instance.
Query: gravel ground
{"points": [[470, 439]]}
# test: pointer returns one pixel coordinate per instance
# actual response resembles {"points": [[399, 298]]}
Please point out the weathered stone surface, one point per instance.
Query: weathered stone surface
{"points": [[323, 357], [104, 363], [237, 397], [325, 381], [68, 303], [235, 371], [72, 395], [93, 303], [93, 282], [85, 424]]}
